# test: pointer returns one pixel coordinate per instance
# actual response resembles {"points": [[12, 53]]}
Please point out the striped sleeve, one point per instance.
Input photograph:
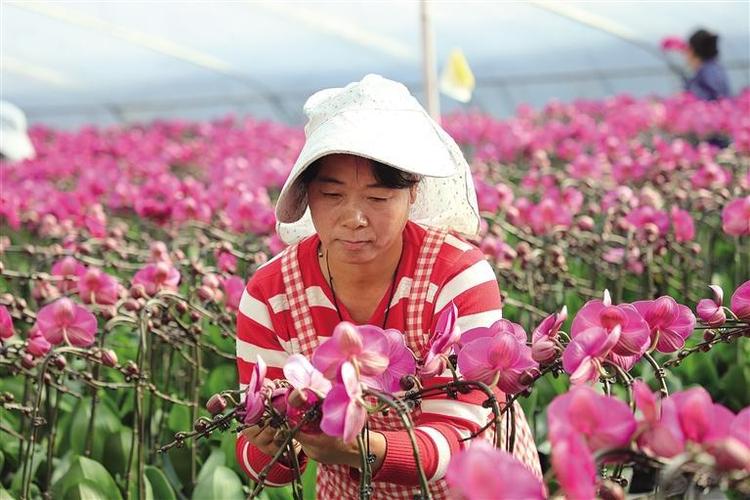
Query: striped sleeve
{"points": [[444, 422], [256, 336]]}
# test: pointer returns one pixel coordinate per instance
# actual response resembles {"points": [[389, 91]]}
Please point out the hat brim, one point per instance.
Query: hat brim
{"points": [[407, 140]]}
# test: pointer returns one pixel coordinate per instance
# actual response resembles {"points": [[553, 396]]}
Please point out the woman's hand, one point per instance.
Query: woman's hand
{"points": [[331, 450], [263, 438]]}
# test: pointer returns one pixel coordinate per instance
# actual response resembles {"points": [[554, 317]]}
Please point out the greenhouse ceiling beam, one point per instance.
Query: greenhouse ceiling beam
{"points": [[342, 27], [605, 25], [154, 43], [35, 72]]}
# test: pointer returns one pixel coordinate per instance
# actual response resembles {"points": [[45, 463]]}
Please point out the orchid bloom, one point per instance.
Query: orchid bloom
{"points": [[446, 335], [634, 331], [604, 422], [483, 471], [156, 276], [66, 321], [69, 268], [740, 303], [401, 362], [584, 355], [544, 346], [37, 345], [735, 217], [254, 394], [496, 357], [233, 288], [711, 311], [574, 467], [98, 287], [733, 451], [6, 323], [311, 385], [683, 225], [670, 323], [343, 414], [659, 431], [365, 346]]}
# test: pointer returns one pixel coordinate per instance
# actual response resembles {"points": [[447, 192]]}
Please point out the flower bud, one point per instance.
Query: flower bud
{"points": [[28, 361], [609, 490], [216, 404], [544, 351], [710, 313], [205, 293], [109, 358], [585, 223], [59, 362], [137, 291]]}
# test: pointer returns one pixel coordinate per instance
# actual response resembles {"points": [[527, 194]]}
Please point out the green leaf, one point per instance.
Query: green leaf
{"points": [[228, 446], [148, 492], [214, 460], [85, 469], [4, 495], [106, 422], [738, 376], [221, 378], [180, 418], [221, 484], [310, 480], [159, 483], [118, 451], [85, 490]]}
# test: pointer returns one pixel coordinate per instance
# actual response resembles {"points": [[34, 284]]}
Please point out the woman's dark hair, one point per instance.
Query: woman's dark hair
{"points": [[386, 175], [704, 44]]}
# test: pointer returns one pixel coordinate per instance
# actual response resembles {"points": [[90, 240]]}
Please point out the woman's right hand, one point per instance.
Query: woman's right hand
{"points": [[263, 437]]}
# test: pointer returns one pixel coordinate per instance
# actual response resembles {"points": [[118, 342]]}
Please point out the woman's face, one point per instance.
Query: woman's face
{"points": [[693, 61], [357, 219]]}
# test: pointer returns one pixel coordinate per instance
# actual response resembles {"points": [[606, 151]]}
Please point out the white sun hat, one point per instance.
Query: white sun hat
{"points": [[379, 119], [15, 144]]}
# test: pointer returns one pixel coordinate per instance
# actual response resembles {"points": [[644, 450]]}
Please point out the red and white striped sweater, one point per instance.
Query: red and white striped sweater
{"points": [[265, 327]]}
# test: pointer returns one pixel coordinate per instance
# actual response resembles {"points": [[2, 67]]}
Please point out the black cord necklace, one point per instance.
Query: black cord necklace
{"points": [[391, 289]]}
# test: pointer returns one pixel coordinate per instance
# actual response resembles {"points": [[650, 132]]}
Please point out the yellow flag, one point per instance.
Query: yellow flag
{"points": [[457, 80]]}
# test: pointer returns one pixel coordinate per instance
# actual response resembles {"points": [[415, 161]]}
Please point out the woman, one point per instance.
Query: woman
{"points": [[373, 207], [710, 81]]}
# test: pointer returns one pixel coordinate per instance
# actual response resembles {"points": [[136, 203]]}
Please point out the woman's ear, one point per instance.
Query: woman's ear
{"points": [[413, 194]]}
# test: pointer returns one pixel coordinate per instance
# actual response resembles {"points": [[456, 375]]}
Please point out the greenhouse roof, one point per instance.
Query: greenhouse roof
{"points": [[68, 63]]}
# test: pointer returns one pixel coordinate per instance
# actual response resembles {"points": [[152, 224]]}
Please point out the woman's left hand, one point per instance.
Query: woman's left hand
{"points": [[330, 450]]}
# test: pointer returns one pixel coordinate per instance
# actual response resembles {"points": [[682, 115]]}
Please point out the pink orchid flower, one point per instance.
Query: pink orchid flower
{"points": [[226, 262], [711, 311], [483, 471], [659, 431], [735, 217], [255, 395], [683, 225], [71, 269], [401, 362], [585, 354], [701, 420], [36, 344], [446, 335], [740, 302], [604, 422], [233, 288], [669, 322], [311, 385], [498, 327], [343, 414], [634, 331], [66, 321], [6, 323], [156, 276], [158, 252], [574, 467], [674, 43], [544, 345], [98, 287], [733, 451], [498, 359], [303, 376], [365, 346]]}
